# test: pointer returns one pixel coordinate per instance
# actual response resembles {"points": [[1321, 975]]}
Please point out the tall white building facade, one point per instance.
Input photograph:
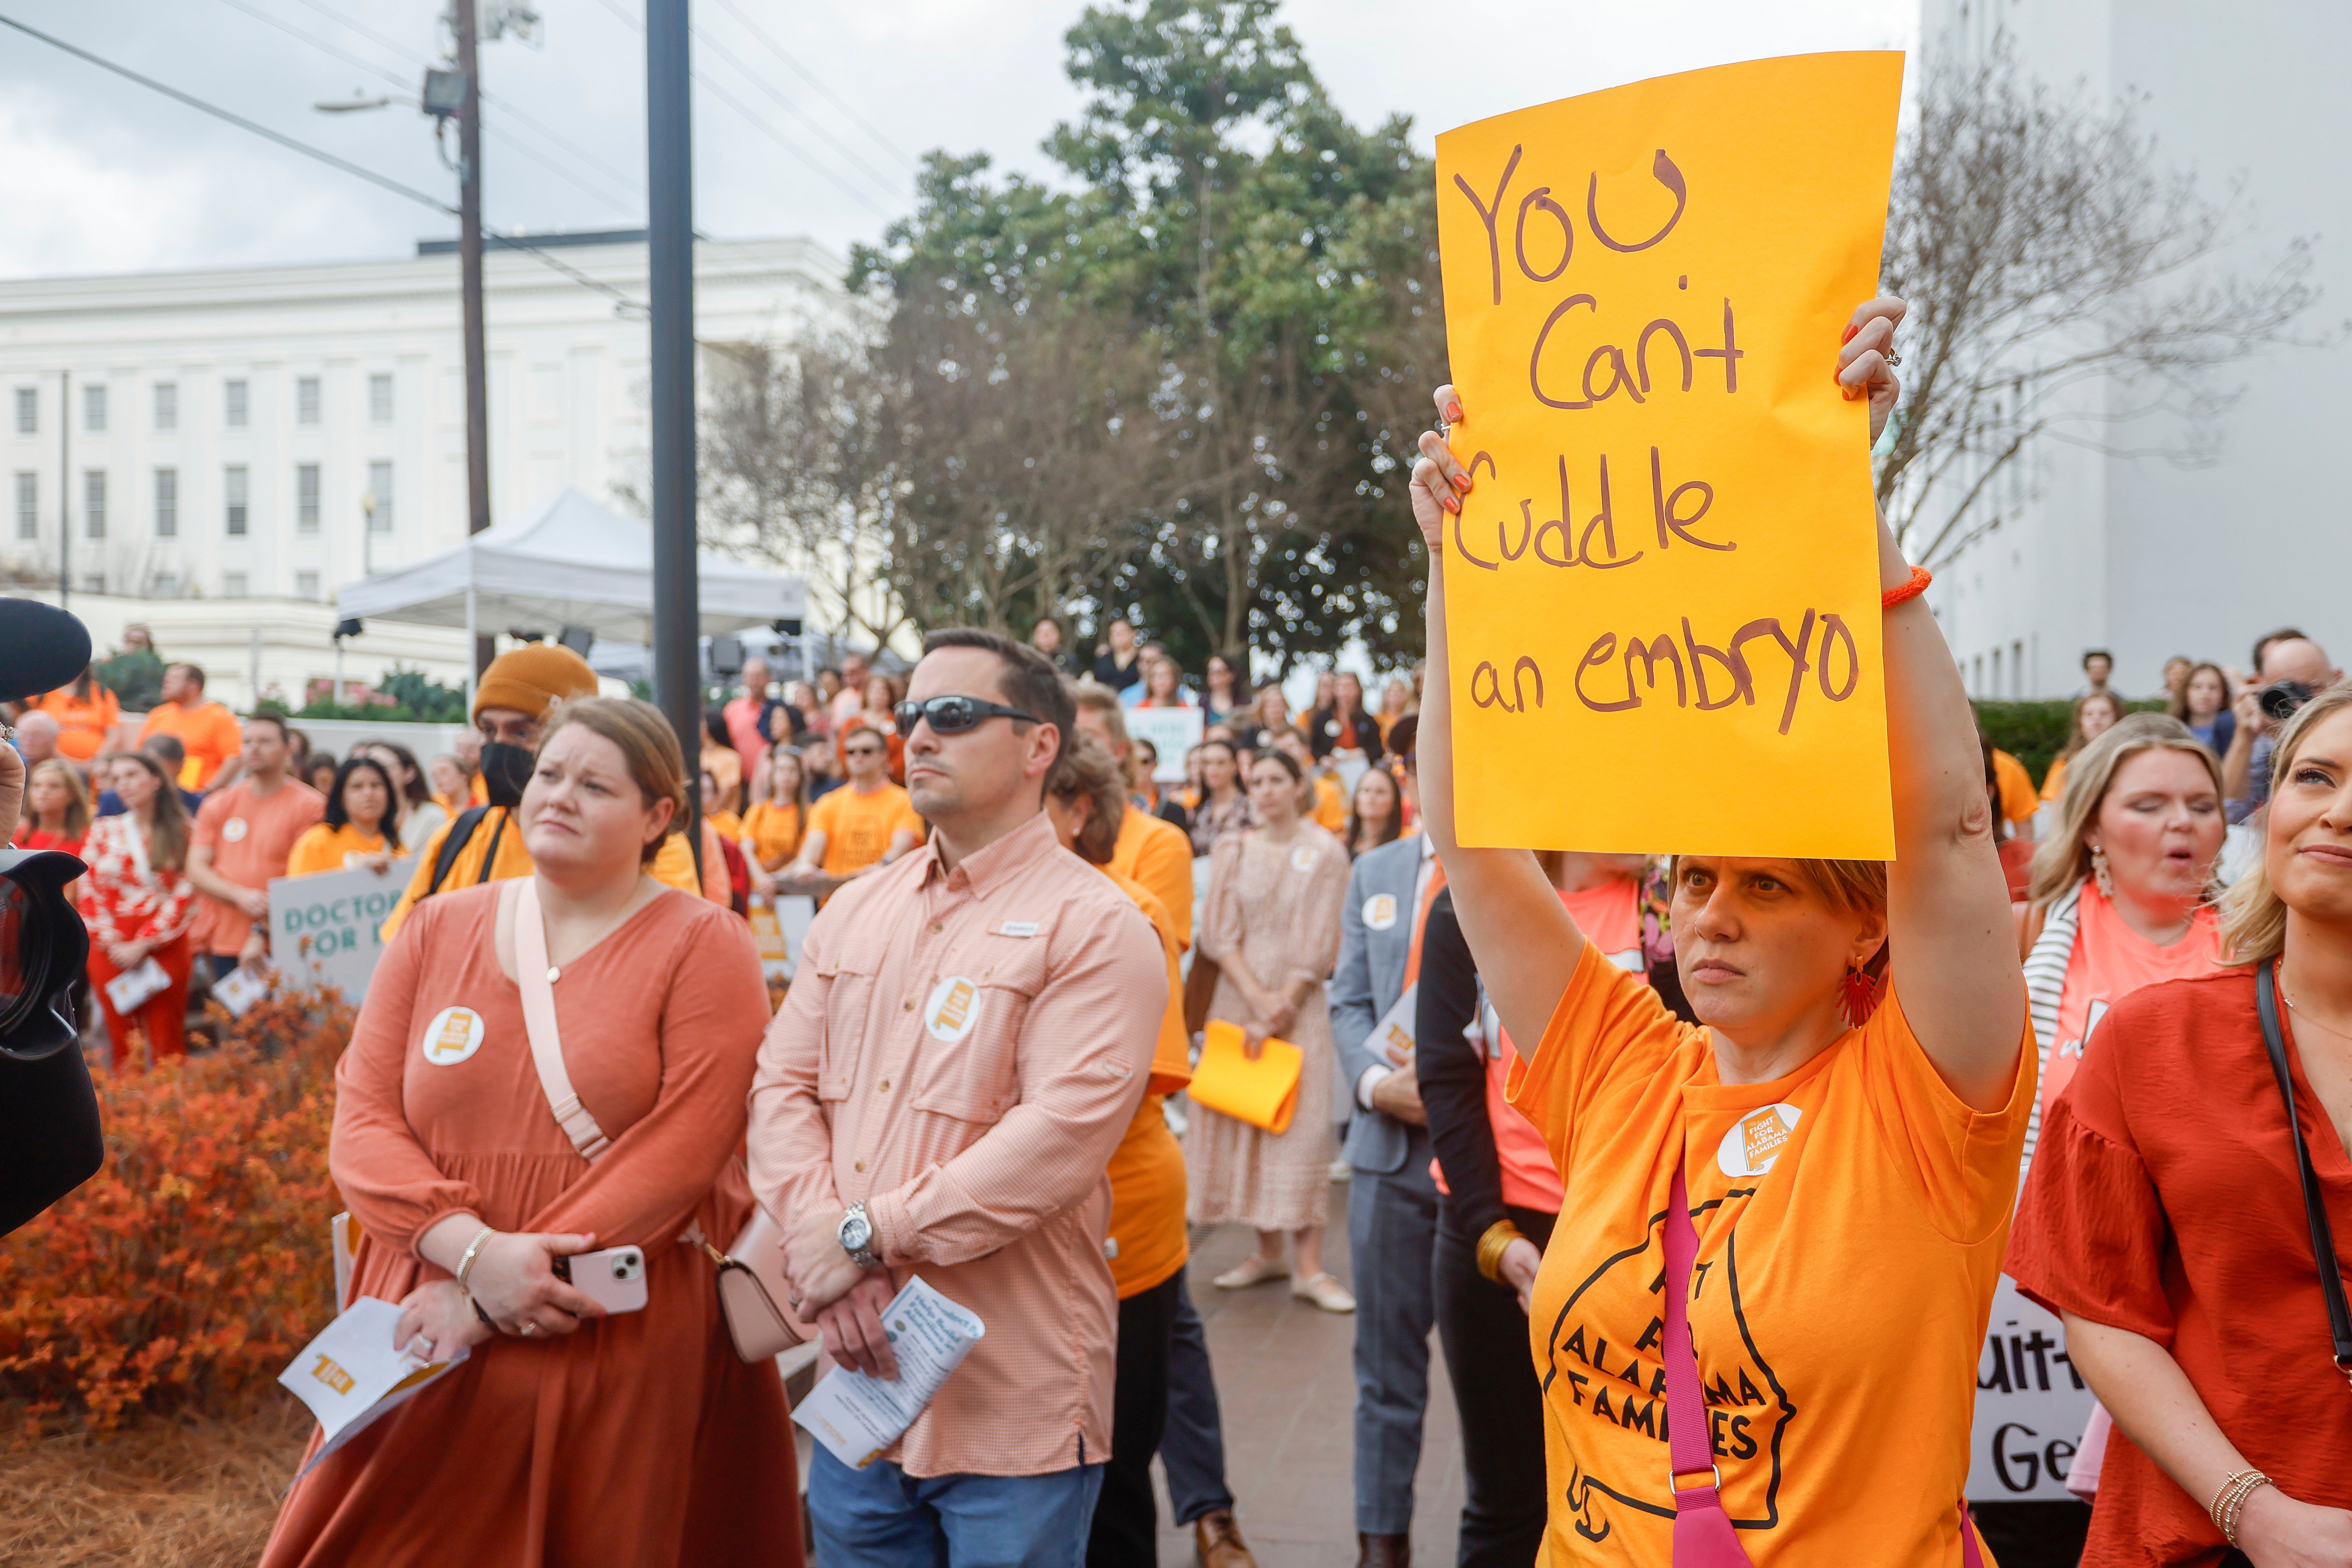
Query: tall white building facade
{"points": [[2136, 553], [222, 450]]}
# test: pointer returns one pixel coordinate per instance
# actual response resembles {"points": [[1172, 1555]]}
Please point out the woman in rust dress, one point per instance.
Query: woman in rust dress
{"points": [[568, 1437]]}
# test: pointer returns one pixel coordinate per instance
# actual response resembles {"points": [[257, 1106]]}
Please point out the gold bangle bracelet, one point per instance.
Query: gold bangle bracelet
{"points": [[466, 1264], [1497, 1241]]}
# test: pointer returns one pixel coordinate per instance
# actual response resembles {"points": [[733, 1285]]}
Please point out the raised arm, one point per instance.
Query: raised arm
{"points": [[1953, 939], [1524, 943]]}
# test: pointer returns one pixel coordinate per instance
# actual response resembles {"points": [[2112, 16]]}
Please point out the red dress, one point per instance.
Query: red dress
{"points": [[31, 837], [125, 898], [2164, 1199]]}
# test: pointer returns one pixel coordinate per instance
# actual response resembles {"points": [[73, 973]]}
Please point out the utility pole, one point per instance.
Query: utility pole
{"points": [[669, 180], [65, 486], [470, 273]]}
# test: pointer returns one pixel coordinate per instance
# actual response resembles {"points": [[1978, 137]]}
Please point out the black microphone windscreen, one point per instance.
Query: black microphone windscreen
{"points": [[42, 647]]}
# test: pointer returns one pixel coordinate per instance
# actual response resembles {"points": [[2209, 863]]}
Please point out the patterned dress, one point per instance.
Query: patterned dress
{"points": [[1276, 908]]}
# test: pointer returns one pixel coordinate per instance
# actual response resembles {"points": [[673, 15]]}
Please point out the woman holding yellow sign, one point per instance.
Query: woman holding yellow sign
{"points": [[1821, 1176], [1272, 927]]}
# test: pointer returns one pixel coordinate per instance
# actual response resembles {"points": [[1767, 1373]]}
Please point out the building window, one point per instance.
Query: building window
{"points": [[232, 586], [305, 585], [167, 503], [93, 409], [93, 504], [380, 399], [29, 411], [233, 404], [306, 497], [167, 405], [28, 506], [379, 490], [232, 491], [306, 400], [167, 585]]}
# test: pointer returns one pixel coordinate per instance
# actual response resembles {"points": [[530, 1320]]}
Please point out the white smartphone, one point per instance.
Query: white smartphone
{"points": [[614, 1278]]}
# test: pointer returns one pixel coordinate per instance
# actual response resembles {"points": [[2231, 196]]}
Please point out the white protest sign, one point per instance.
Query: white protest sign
{"points": [[322, 928], [1172, 731], [2032, 1406], [781, 924]]}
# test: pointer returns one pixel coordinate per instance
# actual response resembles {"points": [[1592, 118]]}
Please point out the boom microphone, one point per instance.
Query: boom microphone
{"points": [[42, 647]]}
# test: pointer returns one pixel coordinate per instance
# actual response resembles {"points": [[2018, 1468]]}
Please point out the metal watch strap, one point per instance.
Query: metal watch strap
{"points": [[864, 1257]]}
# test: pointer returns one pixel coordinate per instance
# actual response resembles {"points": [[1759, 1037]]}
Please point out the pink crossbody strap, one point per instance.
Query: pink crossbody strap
{"points": [[1704, 1537], [535, 980]]}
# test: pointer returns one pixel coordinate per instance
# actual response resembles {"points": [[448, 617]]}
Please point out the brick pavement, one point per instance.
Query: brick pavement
{"points": [[1287, 1394]]}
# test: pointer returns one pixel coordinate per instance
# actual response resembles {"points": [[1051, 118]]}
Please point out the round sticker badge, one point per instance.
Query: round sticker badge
{"points": [[1755, 1140], [454, 1034], [1379, 911], [953, 1010], [233, 830], [1302, 858]]}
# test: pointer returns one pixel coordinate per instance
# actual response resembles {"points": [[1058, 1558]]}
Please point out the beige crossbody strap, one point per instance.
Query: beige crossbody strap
{"points": [[536, 980]]}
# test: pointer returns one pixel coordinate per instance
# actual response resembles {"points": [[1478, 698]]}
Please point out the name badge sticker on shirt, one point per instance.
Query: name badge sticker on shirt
{"points": [[1017, 928], [454, 1034], [953, 1010], [1302, 858], [234, 830], [1755, 1140], [1380, 911]]}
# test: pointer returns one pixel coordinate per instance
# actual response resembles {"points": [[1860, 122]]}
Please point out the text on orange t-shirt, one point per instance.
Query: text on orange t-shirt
{"points": [[1852, 1217], [858, 828]]}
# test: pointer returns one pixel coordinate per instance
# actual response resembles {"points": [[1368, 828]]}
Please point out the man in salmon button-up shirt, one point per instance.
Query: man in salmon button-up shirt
{"points": [[968, 1035]]}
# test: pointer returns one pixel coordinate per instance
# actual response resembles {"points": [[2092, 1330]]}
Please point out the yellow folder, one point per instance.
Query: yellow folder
{"points": [[1263, 1093]]}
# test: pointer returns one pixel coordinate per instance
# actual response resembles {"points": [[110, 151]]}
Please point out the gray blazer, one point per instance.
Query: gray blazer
{"points": [[1370, 979]]}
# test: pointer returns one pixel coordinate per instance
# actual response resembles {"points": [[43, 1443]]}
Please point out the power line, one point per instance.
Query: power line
{"points": [[506, 106], [794, 110], [383, 75], [307, 151], [731, 101], [815, 81]]}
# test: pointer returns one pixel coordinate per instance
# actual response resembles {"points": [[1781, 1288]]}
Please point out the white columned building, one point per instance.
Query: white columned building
{"points": [[2137, 553], [224, 448]]}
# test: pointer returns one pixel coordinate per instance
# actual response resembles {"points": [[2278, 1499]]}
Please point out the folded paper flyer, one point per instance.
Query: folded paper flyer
{"points": [[858, 1418], [350, 1377]]}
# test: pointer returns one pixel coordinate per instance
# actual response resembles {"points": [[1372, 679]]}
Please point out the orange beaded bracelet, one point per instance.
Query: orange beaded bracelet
{"points": [[1920, 578]]}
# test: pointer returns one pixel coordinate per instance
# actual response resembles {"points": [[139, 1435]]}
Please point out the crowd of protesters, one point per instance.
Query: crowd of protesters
{"points": [[1665, 1120]]}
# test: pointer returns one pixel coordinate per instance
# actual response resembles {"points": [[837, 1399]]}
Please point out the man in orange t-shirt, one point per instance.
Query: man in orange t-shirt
{"points": [[207, 729], [870, 822], [244, 837]]}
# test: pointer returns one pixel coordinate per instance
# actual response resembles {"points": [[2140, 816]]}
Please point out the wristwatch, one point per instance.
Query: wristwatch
{"points": [[857, 1236]]}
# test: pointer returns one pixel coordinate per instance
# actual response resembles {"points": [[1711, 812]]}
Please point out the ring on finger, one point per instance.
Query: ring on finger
{"points": [[1891, 358], [528, 1327]]}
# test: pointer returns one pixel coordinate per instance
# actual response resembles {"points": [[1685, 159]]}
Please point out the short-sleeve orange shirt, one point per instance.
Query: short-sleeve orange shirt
{"points": [[858, 828], [83, 724], [1148, 1241], [209, 732], [1852, 1218], [252, 837], [775, 831]]}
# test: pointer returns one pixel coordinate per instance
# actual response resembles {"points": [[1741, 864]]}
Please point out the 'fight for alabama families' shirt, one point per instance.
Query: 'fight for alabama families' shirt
{"points": [[1852, 1219]]}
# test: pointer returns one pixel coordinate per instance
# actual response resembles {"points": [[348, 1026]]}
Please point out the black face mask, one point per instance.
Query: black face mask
{"points": [[505, 770]]}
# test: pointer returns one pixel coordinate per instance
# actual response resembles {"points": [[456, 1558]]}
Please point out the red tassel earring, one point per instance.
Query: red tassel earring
{"points": [[1857, 995]]}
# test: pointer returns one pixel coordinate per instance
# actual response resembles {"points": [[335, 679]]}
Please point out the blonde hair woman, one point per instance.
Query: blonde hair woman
{"points": [[1813, 1155], [568, 1436], [57, 808], [2166, 1217]]}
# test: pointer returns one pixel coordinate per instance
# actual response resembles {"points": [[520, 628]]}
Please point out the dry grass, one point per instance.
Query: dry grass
{"points": [[193, 1493]]}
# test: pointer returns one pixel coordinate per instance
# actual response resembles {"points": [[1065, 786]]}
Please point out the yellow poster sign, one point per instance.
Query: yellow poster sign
{"points": [[1662, 594]]}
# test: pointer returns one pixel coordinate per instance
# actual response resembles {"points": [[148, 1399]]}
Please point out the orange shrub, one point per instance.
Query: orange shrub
{"points": [[189, 1271]]}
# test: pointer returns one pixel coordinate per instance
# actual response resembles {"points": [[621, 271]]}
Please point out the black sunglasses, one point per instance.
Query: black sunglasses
{"points": [[953, 715]]}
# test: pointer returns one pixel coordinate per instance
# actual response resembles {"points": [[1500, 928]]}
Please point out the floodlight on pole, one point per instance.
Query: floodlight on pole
{"points": [[352, 105]]}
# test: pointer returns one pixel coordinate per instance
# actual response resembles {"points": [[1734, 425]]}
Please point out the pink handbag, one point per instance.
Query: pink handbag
{"points": [[1704, 1537]]}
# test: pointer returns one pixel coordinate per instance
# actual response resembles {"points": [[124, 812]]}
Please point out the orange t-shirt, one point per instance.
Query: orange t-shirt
{"points": [[1158, 854], [2019, 801], [323, 849], [82, 724], [209, 732], [252, 837], [775, 831], [1609, 916], [1330, 812], [858, 828], [1852, 1219], [2112, 961], [1147, 1241], [2053, 783]]}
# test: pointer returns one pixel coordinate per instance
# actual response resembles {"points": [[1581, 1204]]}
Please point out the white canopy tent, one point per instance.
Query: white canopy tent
{"points": [[572, 562]]}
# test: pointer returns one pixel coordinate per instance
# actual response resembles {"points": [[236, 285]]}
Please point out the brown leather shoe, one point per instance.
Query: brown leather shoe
{"points": [[1217, 1541], [1383, 1551]]}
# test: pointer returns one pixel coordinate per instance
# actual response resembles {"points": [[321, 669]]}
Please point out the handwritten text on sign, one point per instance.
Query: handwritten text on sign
{"points": [[1662, 594]]}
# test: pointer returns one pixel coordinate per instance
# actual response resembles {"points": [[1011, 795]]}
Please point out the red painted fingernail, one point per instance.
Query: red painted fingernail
{"points": [[1849, 336], [1462, 483], [1449, 503], [1453, 414]]}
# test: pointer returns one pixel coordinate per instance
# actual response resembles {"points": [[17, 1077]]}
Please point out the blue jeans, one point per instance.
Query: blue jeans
{"points": [[881, 1517]]}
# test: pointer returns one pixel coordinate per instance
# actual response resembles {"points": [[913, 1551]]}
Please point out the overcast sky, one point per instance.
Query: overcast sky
{"points": [[99, 175]]}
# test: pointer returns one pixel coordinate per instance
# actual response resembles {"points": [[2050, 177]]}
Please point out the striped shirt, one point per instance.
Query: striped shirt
{"points": [[962, 1050]]}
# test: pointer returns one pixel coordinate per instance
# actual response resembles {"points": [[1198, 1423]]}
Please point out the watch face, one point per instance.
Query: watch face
{"points": [[856, 1230]]}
